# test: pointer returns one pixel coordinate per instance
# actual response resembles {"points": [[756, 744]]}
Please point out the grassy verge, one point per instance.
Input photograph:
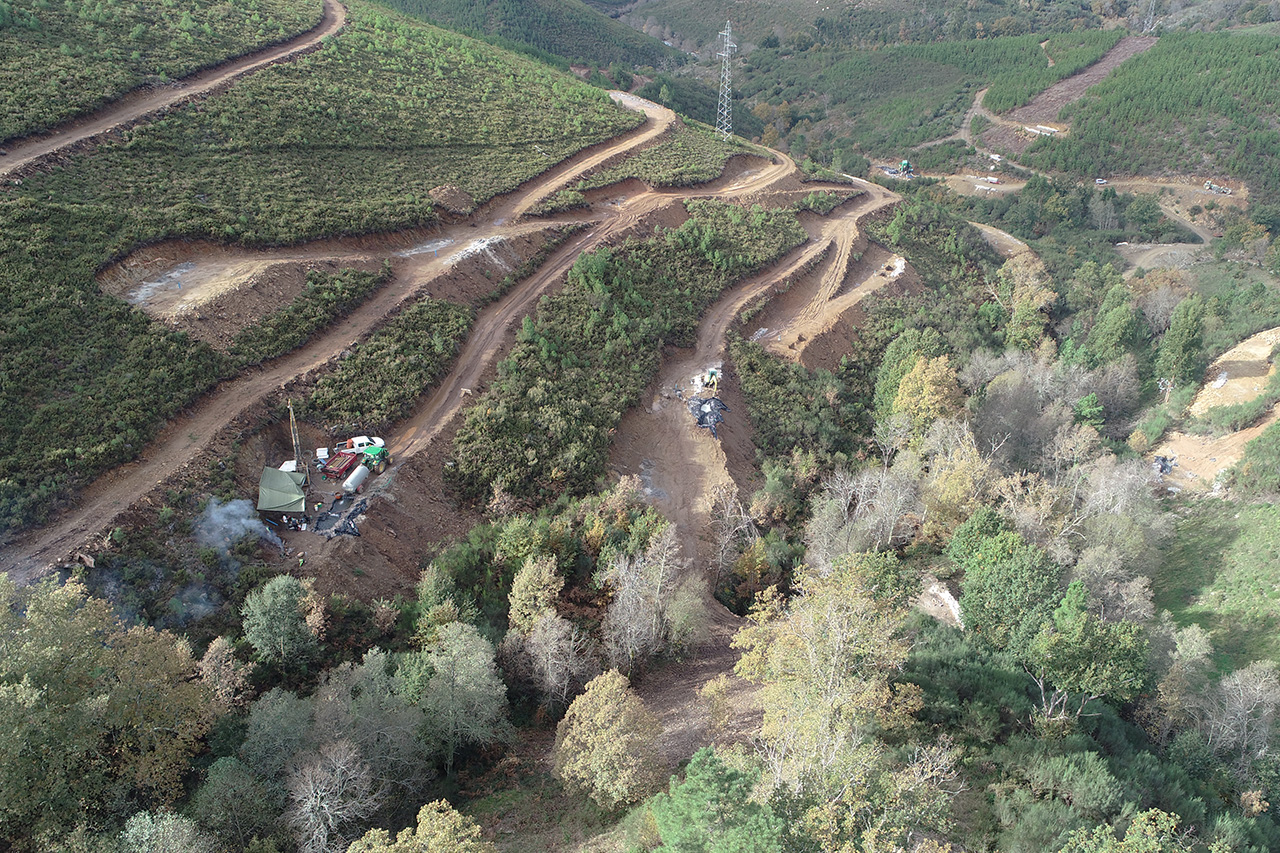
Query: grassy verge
{"points": [[1258, 471], [1220, 573], [1160, 418], [379, 383], [59, 59]]}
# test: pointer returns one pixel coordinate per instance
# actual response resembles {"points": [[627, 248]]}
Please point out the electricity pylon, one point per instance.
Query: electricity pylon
{"points": [[724, 116]]}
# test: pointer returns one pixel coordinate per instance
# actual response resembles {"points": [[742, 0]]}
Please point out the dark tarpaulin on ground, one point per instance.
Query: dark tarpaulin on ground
{"points": [[340, 518], [708, 412]]}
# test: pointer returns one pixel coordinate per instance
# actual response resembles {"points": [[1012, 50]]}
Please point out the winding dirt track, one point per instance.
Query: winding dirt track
{"points": [[831, 300], [685, 465], [144, 103], [186, 436]]}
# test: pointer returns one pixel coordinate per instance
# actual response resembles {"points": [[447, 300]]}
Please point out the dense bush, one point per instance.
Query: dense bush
{"points": [[696, 100], [693, 155], [379, 383], [883, 101], [560, 28], [791, 407], [325, 298]]}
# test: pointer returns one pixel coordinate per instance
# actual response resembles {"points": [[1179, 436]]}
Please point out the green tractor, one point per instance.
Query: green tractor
{"points": [[377, 458]]}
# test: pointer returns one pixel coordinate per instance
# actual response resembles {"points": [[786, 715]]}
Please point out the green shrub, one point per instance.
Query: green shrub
{"points": [[1258, 471], [57, 61], [694, 154]]}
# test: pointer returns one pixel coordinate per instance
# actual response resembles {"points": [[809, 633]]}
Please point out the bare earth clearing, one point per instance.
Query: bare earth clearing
{"points": [[1044, 108], [1239, 376]]}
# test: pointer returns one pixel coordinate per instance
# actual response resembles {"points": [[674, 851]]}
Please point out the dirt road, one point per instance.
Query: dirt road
{"points": [[146, 102], [1237, 376], [186, 436], [845, 282], [681, 465]]}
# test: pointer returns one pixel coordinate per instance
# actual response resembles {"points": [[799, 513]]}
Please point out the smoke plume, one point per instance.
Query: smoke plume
{"points": [[221, 525]]}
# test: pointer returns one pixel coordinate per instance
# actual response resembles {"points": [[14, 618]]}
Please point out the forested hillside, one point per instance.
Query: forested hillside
{"points": [[938, 582], [998, 415], [563, 28], [828, 101], [798, 24], [397, 107], [1194, 103], [59, 59]]}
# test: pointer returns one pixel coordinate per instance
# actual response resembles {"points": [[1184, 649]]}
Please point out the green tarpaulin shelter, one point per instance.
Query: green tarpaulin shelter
{"points": [[281, 491]]}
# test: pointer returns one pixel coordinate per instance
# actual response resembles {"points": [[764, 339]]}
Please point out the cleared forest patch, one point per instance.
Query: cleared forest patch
{"points": [[1045, 107]]}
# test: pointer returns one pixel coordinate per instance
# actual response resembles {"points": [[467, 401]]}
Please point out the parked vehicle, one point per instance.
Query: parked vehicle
{"points": [[374, 456]]}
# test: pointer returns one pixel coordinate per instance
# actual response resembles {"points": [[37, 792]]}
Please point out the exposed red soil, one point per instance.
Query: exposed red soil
{"points": [[1044, 108]]}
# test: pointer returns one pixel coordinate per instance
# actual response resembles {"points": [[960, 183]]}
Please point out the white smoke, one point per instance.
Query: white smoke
{"points": [[222, 525]]}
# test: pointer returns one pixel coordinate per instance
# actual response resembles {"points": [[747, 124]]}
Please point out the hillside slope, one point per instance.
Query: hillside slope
{"points": [[695, 22], [567, 28], [1195, 103], [349, 140], [59, 59]]}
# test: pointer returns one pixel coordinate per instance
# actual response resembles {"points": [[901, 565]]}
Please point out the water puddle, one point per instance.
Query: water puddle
{"points": [[433, 247], [485, 246], [647, 469], [171, 280]]}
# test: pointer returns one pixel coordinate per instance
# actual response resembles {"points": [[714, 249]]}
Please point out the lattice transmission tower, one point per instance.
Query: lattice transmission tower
{"points": [[724, 116]]}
